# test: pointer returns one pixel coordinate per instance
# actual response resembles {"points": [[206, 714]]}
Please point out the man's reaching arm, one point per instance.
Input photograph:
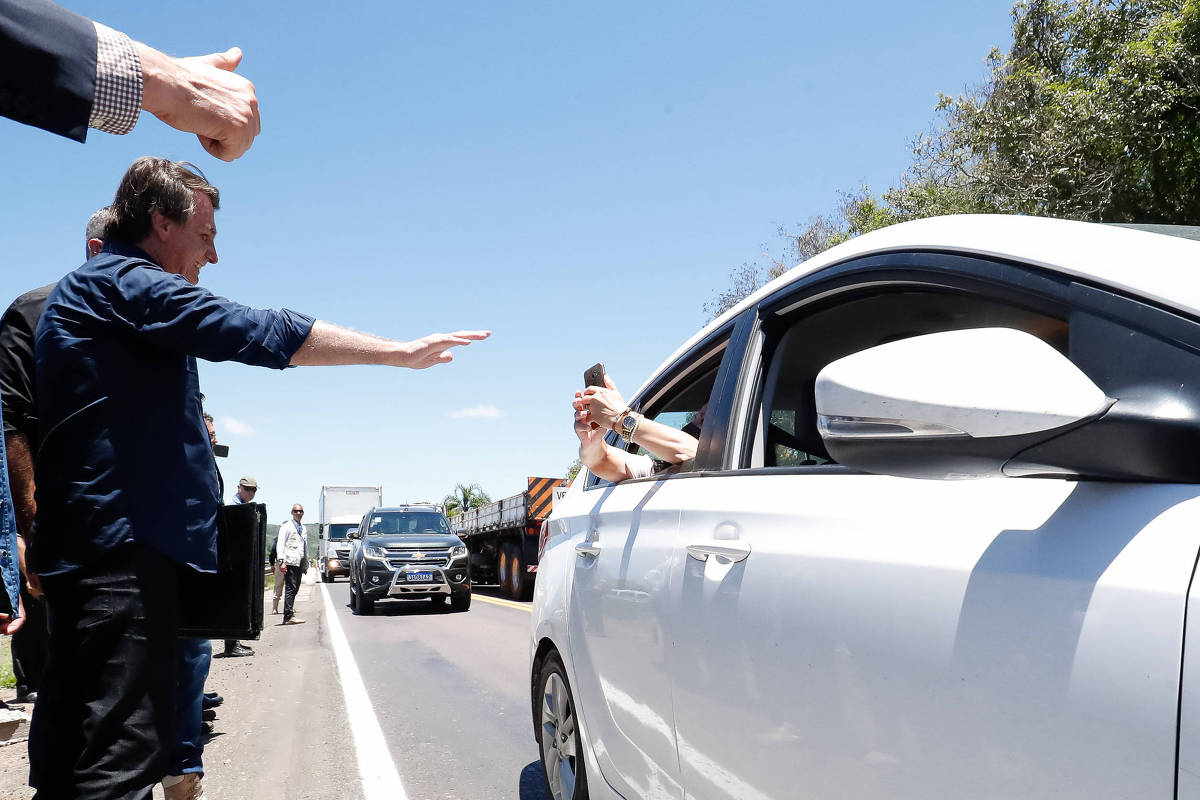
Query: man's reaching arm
{"points": [[328, 345]]}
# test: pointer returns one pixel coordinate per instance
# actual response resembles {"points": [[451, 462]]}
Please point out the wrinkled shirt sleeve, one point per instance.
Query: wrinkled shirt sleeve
{"points": [[179, 316]]}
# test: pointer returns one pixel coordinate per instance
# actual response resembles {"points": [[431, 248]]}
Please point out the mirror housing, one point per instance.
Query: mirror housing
{"points": [[354, 534], [958, 404]]}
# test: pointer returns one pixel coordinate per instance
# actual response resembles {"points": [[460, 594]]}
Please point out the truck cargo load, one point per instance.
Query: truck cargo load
{"points": [[502, 537], [341, 509]]}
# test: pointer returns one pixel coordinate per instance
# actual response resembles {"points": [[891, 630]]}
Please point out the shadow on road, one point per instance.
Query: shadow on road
{"points": [[533, 784], [409, 608]]}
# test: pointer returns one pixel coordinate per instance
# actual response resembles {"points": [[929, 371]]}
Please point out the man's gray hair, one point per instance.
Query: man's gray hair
{"points": [[97, 228]]}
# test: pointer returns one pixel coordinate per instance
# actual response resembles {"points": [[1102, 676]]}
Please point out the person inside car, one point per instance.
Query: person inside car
{"points": [[599, 409]]}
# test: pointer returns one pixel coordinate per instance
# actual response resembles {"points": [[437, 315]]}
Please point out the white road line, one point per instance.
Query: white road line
{"points": [[380, 780]]}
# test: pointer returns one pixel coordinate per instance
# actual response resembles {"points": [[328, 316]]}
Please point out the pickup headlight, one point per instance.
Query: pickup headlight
{"points": [[374, 551], [458, 552]]}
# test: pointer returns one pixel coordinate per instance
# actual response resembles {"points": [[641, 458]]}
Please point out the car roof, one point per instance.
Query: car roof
{"points": [[1140, 260]]}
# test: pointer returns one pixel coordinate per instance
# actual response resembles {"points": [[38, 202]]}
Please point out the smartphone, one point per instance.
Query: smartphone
{"points": [[594, 375], [221, 450]]}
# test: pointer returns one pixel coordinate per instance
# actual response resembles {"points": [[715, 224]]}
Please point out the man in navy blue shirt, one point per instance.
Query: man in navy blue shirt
{"points": [[126, 484]]}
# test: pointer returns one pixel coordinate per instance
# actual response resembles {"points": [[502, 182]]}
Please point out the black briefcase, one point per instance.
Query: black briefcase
{"points": [[229, 603]]}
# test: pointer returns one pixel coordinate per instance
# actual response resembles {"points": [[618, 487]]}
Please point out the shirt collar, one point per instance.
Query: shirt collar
{"points": [[128, 250]]}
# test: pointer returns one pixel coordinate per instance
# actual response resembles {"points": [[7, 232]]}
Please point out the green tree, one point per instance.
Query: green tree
{"points": [[1091, 114], [465, 496], [857, 213], [574, 469]]}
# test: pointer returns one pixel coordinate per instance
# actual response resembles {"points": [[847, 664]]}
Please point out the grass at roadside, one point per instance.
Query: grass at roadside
{"points": [[7, 679]]}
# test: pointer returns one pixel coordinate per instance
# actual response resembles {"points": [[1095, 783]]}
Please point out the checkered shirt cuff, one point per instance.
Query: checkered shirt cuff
{"points": [[118, 98]]}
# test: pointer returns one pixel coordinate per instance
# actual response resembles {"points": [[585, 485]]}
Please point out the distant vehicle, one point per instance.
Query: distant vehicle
{"points": [[939, 538], [341, 509], [503, 536], [407, 553]]}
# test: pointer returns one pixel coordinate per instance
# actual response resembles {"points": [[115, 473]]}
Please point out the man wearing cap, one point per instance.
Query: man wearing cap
{"points": [[131, 498], [247, 490]]}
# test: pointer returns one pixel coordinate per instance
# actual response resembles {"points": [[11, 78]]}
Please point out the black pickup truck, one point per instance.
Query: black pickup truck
{"points": [[407, 553]]}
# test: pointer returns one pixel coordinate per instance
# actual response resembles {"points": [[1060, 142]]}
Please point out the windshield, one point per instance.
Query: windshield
{"points": [[340, 531], [407, 522]]}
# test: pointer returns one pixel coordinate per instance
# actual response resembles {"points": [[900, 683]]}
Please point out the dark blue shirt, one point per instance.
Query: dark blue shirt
{"points": [[125, 454]]}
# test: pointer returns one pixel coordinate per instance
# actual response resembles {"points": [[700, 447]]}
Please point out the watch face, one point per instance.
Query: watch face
{"points": [[628, 423]]}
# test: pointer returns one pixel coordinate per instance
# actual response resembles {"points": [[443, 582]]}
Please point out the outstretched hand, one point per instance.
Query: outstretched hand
{"points": [[435, 348], [202, 95]]}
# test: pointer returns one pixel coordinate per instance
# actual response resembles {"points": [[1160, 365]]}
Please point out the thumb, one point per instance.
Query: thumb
{"points": [[608, 382], [228, 60]]}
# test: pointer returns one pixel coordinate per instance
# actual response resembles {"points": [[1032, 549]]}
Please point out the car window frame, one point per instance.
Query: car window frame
{"points": [[727, 340], [1018, 284]]}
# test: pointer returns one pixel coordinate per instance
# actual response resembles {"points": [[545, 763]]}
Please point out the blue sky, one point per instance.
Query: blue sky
{"points": [[578, 179]]}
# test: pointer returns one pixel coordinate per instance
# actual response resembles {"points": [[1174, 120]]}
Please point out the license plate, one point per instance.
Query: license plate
{"points": [[418, 577]]}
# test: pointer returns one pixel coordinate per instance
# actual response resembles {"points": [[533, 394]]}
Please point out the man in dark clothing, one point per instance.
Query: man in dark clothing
{"points": [[127, 487], [21, 439]]}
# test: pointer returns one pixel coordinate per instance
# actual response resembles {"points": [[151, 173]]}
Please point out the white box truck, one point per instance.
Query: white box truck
{"points": [[342, 508]]}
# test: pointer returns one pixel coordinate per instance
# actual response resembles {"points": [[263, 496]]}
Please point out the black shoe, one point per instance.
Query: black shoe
{"points": [[208, 715], [238, 649], [26, 697], [211, 700]]}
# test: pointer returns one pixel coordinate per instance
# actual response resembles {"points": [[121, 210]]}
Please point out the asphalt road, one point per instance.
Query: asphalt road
{"points": [[451, 692]]}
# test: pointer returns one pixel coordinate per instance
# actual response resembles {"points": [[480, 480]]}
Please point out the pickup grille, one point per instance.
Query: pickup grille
{"points": [[408, 557]]}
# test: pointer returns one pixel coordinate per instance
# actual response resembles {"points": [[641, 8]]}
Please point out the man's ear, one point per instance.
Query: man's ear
{"points": [[160, 225]]}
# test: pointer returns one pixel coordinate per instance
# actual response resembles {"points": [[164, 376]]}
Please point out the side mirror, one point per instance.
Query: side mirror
{"points": [[959, 404], [354, 534]]}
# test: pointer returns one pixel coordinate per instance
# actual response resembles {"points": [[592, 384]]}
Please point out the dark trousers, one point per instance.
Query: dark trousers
{"points": [[30, 644], [104, 714], [192, 660], [291, 585]]}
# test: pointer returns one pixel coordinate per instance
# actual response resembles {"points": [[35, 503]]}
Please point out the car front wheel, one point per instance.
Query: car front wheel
{"points": [[558, 734]]}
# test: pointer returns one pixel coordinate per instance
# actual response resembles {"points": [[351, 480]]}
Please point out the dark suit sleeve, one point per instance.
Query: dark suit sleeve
{"points": [[47, 66]]}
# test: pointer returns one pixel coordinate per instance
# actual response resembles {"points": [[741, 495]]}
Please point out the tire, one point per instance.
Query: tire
{"points": [[461, 602], [353, 596], [366, 606], [522, 586], [326, 577], [502, 569], [563, 767]]}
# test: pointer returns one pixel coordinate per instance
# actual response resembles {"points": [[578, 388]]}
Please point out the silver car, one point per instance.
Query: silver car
{"points": [[938, 540]]}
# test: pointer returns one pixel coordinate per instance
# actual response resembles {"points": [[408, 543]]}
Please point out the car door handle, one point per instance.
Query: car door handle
{"points": [[731, 549], [587, 549]]}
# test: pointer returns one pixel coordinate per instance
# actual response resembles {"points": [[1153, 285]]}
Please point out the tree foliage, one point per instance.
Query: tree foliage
{"points": [[463, 497], [1091, 114], [574, 469]]}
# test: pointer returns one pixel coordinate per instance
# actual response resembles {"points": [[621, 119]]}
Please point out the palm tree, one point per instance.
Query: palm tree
{"points": [[463, 497]]}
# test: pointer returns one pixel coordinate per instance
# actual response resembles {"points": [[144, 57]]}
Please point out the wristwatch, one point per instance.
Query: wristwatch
{"points": [[628, 425]]}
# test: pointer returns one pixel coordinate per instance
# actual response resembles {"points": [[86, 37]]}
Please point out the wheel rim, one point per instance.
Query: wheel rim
{"points": [[558, 737]]}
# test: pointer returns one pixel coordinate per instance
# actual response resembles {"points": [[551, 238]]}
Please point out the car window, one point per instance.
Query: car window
{"points": [[679, 399], [407, 522], [799, 346]]}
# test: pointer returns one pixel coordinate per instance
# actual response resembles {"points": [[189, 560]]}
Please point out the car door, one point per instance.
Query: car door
{"points": [[620, 641], [875, 636]]}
